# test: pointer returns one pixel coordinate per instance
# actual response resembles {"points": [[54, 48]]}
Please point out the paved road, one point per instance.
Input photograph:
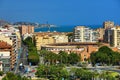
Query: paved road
{"points": [[22, 58], [109, 68]]}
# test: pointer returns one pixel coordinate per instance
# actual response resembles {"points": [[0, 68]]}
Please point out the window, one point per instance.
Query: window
{"points": [[7, 65], [1, 54]]}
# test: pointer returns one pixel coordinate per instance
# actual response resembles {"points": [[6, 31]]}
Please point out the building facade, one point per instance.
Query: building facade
{"points": [[115, 36], [82, 49], [49, 38], [7, 56], [108, 24], [26, 29], [101, 32], [85, 34], [11, 36]]}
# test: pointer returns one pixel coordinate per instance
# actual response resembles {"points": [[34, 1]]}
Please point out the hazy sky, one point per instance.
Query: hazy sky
{"points": [[61, 12]]}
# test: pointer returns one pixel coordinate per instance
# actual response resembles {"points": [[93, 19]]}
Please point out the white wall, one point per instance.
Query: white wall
{"points": [[5, 53]]}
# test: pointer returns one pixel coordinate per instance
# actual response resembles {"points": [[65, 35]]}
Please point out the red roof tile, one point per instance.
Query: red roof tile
{"points": [[4, 45]]}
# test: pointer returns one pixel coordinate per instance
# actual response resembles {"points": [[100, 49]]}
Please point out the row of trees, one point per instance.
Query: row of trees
{"points": [[54, 72], [12, 76], [33, 56], [105, 55], [62, 57]]}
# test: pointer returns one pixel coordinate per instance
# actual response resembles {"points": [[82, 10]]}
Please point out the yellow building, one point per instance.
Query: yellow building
{"points": [[41, 40], [115, 36], [49, 38], [5, 39], [19, 39], [101, 32], [61, 38]]}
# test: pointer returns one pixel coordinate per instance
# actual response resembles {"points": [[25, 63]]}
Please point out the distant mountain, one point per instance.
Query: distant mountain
{"points": [[26, 23], [34, 24], [3, 22]]}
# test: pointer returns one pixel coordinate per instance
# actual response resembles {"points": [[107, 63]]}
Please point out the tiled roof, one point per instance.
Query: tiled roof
{"points": [[4, 45], [49, 33]]}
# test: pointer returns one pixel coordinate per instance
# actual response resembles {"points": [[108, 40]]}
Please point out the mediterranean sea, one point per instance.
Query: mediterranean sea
{"points": [[64, 28]]}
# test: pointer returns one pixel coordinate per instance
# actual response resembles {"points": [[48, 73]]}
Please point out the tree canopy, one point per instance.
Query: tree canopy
{"points": [[105, 55], [62, 57], [12, 76], [33, 56]]}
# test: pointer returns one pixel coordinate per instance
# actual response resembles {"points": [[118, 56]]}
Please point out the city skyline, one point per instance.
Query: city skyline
{"points": [[79, 12]]}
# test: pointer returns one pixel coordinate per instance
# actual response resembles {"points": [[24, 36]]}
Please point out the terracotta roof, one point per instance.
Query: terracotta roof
{"points": [[73, 43], [49, 33], [4, 45]]}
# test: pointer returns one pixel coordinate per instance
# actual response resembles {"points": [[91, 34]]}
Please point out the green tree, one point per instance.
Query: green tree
{"points": [[73, 58], [40, 71], [51, 57], [63, 57], [12, 76], [52, 72], [105, 56], [1, 73], [33, 56], [105, 49]]}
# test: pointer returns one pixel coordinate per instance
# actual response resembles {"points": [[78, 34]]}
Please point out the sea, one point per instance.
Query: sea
{"points": [[63, 28]]}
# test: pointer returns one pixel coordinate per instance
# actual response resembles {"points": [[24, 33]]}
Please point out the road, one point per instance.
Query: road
{"points": [[109, 68], [22, 58]]}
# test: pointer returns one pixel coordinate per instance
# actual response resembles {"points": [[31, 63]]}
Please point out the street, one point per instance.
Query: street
{"points": [[22, 58], [109, 68]]}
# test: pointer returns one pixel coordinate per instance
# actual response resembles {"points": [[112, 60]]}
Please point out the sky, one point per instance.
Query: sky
{"points": [[61, 12]]}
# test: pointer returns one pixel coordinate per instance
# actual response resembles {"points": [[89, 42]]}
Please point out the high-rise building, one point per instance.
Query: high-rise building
{"points": [[95, 36], [85, 34], [11, 36], [7, 56], [101, 32], [108, 24], [115, 36], [107, 35], [26, 29]]}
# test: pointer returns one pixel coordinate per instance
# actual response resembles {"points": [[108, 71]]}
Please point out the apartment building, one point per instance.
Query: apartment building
{"points": [[85, 34], [107, 35], [49, 38], [1, 67], [115, 36], [6, 39], [42, 40], [101, 32], [7, 56], [108, 24], [95, 36], [11, 35], [24, 29], [60, 38]]}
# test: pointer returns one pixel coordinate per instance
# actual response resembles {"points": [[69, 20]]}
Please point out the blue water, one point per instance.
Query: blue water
{"points": [[63, 28]]}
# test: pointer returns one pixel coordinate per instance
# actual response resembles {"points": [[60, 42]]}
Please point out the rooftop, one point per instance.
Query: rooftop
{"points": [[73, 44], [4, 45], [49, 33]]}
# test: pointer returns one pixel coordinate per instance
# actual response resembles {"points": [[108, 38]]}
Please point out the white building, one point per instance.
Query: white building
{"points": [[115, 36], [5, 61], [85, 34], [11, 35], [60, 38], [1, 67]]}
